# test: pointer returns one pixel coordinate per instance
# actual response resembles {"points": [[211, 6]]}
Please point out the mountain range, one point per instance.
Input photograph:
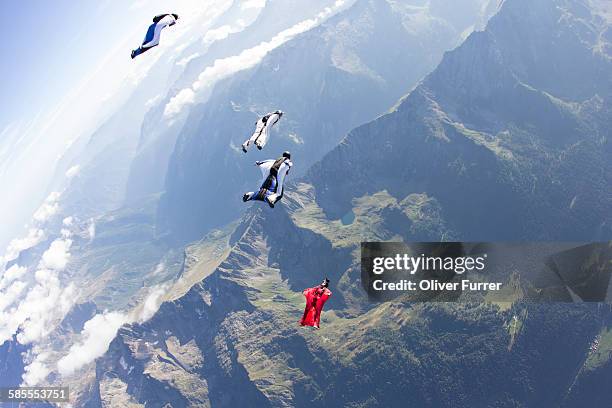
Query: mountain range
{"points": [[505, 140], [396, 135]]}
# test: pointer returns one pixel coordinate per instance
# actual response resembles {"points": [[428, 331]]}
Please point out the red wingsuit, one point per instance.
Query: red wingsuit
{"points": [[315, 299]]}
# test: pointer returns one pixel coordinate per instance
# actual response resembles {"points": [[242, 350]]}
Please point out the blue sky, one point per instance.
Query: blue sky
{"points": [[48, 46], [63, 67]]}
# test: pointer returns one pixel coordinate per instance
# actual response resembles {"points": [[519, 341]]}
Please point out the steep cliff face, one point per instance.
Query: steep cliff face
{"points": [[237, 329], [508, 152], [328, 80], [233, 339]]}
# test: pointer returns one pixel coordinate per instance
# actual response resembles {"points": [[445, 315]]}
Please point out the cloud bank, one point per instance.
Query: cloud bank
{"points": [[48, 208], [46, 303], [96, 336], [34, 237], [99, 332], [248, 58]]}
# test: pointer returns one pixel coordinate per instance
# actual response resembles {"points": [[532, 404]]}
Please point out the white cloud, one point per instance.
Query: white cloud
{"points": [[36, 371], [38, 313], [56, 257], [48, 208], [295, 138], [67, 223], [48, 304], [10, 295], [159, 268], [249, 4], [185, 97], [100, 330], [181, 47], [73, 171], [183, 62], [152, 303], [248, 58], [12, 273], [53, 196], [91, 230], [151, 102], [44, 305], [219, 33], [34, 237], [97, 334]]}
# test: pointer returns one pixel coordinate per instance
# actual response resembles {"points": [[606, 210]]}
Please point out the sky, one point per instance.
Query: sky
{"points": [[63, 60], [52, 44]]}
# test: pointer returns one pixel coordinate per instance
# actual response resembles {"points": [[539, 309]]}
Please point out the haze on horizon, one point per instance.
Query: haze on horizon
{"points": [[68, 70]]}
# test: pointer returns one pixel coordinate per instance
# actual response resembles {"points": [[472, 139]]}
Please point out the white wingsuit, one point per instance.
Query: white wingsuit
{"points": [[262, 130], [272, 185], [154, 32]]}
